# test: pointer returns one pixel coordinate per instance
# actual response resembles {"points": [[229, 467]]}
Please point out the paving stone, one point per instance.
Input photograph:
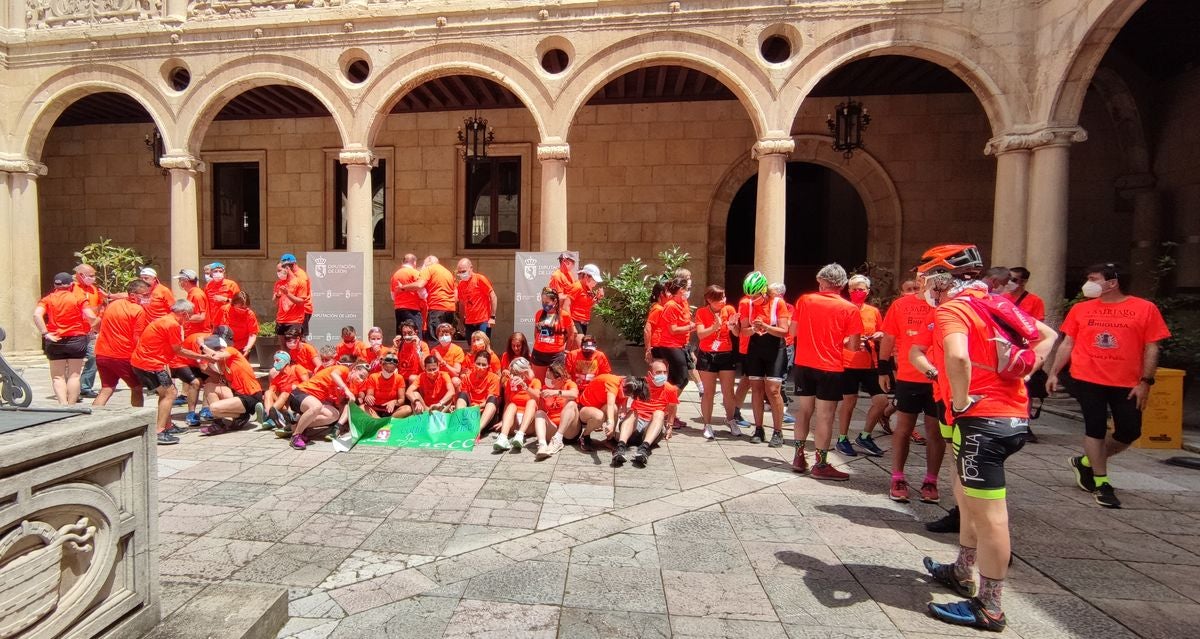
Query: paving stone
{"points": [[695, 525], [343, 531], [578, 623], [413, 537], [496, 619], [297, 499], [1047, 616], [363, 503], [372, 593], [395, 483], [907, 608], [260, 525], [712, 555], [620, 550], [786, 559], [468, 537], [531, 582], [293, 566], [465, 566], [1151, 619], [172, 489], [316, 605], [413, 618], [708, 628], [233, 494], [766, 527], [817, 602], [211, 558], [176, 592], [193, 519], [615, 588], [306, 628], [736, 595], [1090, 578], [212, 471], [1182, 579], [362, 565]]}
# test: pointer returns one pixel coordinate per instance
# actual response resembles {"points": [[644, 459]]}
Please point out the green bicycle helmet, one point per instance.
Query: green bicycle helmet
{"points": [[755, 283]]}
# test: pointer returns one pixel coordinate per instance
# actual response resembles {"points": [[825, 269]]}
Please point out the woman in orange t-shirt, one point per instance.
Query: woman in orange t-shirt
{"points": [[650, 332], [240, 397], [716, 327], [375, 350], [554, 329], [520, 405], [518, 346], [243, 322], [432, 390], [64, 320], [319, 400], [450, 356], [557, 415], [284, 376], [675, 327], [481, 343], [861, 372], [481, 388]]}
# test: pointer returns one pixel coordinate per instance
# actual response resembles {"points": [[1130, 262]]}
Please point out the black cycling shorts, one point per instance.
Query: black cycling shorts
{"points": [[915, 398], [824, 385], [1096, 400], [866, 379], [74, 347], [154, 380], [981, 444], [765, 358], [716, 362], [250, 401]]}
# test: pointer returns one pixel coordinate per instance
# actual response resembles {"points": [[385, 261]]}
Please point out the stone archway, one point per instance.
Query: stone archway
{"points": [[863, 171]]}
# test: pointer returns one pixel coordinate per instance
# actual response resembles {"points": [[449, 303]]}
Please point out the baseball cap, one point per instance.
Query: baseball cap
{"points": [[593, 271], [287, 258], [148, 271], [588, 343], [215, 342], [63, 279], [187, 274], [566, 256], [216, 265]]}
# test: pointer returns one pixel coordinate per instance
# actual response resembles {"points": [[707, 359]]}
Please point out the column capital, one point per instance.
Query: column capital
{"points": [[188, 163], [773, 146], [357, 156], [22, 165], [547, 151], [1027, 141]]}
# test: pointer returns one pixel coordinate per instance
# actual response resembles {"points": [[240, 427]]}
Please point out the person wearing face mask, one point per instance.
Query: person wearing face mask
{"points": [[996, 279], [716, 328], [651, 414], [520, 406], [481, 388], [220, 291], [383, 394], [284, 377], [675, 328], [586, 362], [1111, 342], [302, 293], [85, 286], [450, 356], [410, 350], [192, 292], [243, 322], [554, 329], [477, 302], [481, 343], [289, 296], [123, 321], [300, 351], [319, 400], [557, 416], [860, 373], [161, 298], [432, 390], [373, 355], [562, 279], [763, 321], [350, 346], [583, 294], [1018, 279], [988, 415]]}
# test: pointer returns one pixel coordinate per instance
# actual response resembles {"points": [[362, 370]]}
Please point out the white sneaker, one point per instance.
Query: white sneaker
{"points": [[502, 444], [549, 450], [734, 429], [708, 432], [517, 443]]}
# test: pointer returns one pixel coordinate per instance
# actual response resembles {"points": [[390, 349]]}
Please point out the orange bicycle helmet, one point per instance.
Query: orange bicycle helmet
{"points": [[956, 259]]}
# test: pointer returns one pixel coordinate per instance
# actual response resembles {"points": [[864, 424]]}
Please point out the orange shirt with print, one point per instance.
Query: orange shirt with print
{"points": [[553, 404], [122, 324], [288, 311], [161, 300], [661, 397], [584, 369], [239, 373], [551, 338], [998, 397], [823, 322], [433, 389], [384, 389], [771, 310], [475, 294], [64, 313], [515, 393], [412, 358], [720, 340], [595, 394], [582, 301], [439, 287], [480, 385], [156, 346], [322, 385], [452, 355], [199, 301], [864, 358], [406, 300], [674, 315], [244, 324], [290, 377], [1111, 338], [905, 320]]}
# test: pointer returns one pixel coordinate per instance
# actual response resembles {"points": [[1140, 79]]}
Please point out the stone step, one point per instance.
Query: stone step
{"points": [[228, 611]]}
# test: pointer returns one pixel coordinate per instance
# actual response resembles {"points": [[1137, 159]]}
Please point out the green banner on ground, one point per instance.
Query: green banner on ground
{"points": [[442, 431]]}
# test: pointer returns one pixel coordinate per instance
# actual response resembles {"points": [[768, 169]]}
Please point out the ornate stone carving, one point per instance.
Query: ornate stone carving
{"points": [[774, 146], [1061, 135], [554, 151], [181, 162], [30, 582], [357, 156], [22, 165], [238, 8], [42, 14]]}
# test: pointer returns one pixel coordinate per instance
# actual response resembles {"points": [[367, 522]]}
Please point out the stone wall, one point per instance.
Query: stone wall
{"points": [[1176, 148]]}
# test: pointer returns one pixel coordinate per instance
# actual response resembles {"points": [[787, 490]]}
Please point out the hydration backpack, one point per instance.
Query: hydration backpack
{"points": [[1013, 333]]}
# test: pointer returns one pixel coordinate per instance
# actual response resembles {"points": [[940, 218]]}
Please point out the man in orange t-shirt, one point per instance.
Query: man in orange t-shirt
{"points": [[1018, 279], [587, 362], [440, 294], [122, 324], [220, 291], [240, 397], [383, 394], [161, 297], [407, 293], [198, 322], [600, 404], [651, 414], [160, 343], [477, 301], [302, 294], [289, 295], [85, 285]]}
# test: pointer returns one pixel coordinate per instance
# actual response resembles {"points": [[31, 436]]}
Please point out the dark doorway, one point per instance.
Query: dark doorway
{"points": [[826, 222]]}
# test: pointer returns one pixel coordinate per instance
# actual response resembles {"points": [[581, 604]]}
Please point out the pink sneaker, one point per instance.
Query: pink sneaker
{"points": [[299, 443], [929, 493], [899, 491]]}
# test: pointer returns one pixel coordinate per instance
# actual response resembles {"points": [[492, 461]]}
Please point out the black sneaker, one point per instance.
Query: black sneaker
{"points": [[586, 445], [1084, 477], [944, 574], [758, 436], [969, 612], [776, 440], [166, 439], [642, 455], [618, 457], [1106, 496], [947, 524], [175, 430], [240, 422], [277, 417], [88, 393]]}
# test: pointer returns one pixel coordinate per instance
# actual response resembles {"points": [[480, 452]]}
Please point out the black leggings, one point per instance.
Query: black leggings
{"points": [[677, 367]]}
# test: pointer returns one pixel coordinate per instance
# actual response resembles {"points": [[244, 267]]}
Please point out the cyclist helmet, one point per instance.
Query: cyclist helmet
{"points": [[955, 259], [755, 283]]}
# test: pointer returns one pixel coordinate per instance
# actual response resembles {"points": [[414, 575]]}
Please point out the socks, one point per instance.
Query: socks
{"points": [[841, 438], [897, 476], [964, 563], [930, 478], [1087, 463], [822, 456], [1101, 480], [989, 593]]}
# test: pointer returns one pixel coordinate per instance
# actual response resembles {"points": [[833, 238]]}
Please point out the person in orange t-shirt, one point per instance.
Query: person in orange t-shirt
{"points": [[383, 394], [122, 324], [161, 297], [410, 350], [480, 387], [350, 346], [476, 299], [675, 328], [240, 397], [85, 285], [407, 293], [1018, 279], [161, 342], [587, 362], [861, 373], [300, 351], [450, 356], [557, 415], [481, 343], [517, 346], [825, 325], [520, 405], [199, 321], [220, 291], [763, 323], [284, 377], [290, 298], [582, 296], [562, 279], [432, 390], [651, 334], [440, 294], [716, 328], [65, 320], [243, 322], [651, 414], [1111, 342], [601, 404], [302, 291], [319, 401], [554, 329], [375, 350]]}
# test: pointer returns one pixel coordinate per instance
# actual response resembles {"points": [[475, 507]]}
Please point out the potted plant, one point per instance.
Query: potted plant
{"points": [[266, 344], [116, 266], [626, 301]]}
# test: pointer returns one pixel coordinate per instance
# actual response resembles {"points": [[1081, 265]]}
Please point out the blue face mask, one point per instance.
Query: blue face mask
{"points": [[547, 308], [659, 380], [279, 364]]}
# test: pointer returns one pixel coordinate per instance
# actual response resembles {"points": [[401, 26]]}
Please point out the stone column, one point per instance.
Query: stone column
{"points": [[23, 286], [553, 157], [1010, 215], [185, 213], [7, 235], [1145, 248], [1046, 235], [770, 226], [360, 235], [175, 11]]}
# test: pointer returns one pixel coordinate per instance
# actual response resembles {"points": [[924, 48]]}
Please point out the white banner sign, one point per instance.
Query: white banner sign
{"points": [[533, 272], [337, 295]]}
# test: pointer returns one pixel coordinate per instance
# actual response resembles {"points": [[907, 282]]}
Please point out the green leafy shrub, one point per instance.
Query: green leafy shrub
{"points": [[116, 266], [626, 301], [266, 329]]}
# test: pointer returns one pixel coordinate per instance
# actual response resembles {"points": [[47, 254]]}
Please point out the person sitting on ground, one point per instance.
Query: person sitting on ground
{"points": [[516, 346], [432, 390], [319, 401], [350, 345], [650, 414], [373, 355], [481, 343], [520, 405], [383, 394], [449, 356], [327, 356], [300, 351], [284, 377], [586, 362], [410, 350], [557, 416], [481, 388], [601, 406], [240, 397], [195, 375]]}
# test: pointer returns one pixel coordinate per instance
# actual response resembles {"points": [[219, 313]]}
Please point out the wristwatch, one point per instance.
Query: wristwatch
{"points": [[931, 374], [1149, 381]]}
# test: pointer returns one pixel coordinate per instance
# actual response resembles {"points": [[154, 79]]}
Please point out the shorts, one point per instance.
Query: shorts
{"points": [[542, 358], [481, 327], [1096, 400], [824, 385], [74, 347], [153, 380], [765, 358], [189, 374], [865, 378], [676, 359], [491, 399], [296, 400], [981, 444], [250, 401], [282, 329], [707, 362], [113, 369], [580, 327], [915, 398]]}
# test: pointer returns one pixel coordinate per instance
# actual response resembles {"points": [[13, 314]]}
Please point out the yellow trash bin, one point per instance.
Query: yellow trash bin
{"points": [[1162, 421]]}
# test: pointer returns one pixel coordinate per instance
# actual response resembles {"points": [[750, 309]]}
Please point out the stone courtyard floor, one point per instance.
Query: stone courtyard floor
{"points": [[710, 540]]}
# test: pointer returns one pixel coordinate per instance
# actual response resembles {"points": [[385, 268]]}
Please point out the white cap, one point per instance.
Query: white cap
{"points": [[148, 271], [593, 271]]}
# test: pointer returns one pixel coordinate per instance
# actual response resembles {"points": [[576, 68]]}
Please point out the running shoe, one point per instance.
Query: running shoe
{"points": [[776, 440], [205, 414], [618, 456], [917, 438], [844, 447], [929, 493], [299, 443], [277, 416], [899, 491], [1084, 477], [166, 439], [758, 436], [734, 429], [642, 455], [175, 430], [191, 420], [550, 449], [788, 419], [240, 422], [501, 444], [947, 524], [737, 416], [518, 442], [268, 424], [708, 433], [867, 443], [586, 445], [260, 415], [218, 427], [800, 462], [969, 612], [679, 424], [1106, 496], [828, 472], [180, 400], [944, 574], [283, 432], [88, 393]]}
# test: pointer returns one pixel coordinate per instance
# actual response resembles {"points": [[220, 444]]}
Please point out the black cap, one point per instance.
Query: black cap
{"points": [[63, 279]]}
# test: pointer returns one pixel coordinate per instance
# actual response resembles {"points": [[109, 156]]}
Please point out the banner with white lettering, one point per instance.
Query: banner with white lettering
{"points": [[337, 294], [533, 272]]}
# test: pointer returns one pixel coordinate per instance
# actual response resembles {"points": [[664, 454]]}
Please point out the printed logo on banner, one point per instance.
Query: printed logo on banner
{"points": [[531, 268], [319, 271]]}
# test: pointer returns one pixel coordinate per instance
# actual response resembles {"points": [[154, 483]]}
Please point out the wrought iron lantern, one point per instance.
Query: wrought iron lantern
{"points": [[475, 137], [847, 125], [154, 143]]}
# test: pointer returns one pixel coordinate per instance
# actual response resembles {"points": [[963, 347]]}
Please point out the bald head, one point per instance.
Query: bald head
{"points": [[410, 259], [85, 270], [432, 259]]}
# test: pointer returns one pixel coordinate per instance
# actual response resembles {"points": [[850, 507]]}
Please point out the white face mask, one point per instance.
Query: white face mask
{"points": [[1010, 287], [464, 276], [445, 339], [1092, 290], [929, 299], [89, 280], [282, 275], [410, 338], [659, 379], [376, 341], [217, 277]]}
